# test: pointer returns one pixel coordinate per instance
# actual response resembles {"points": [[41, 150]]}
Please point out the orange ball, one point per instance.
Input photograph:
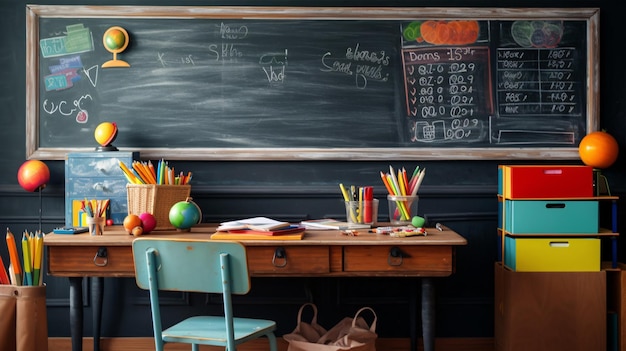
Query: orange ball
{"points": [[598, 149], [105, 133], [130, 222]]}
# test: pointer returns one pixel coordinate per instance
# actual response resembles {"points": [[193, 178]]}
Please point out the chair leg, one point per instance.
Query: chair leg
{"points": [[272, 339], [195, 347]]}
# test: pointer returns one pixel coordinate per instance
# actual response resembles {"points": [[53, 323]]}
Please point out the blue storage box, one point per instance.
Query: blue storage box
{"points": [[551, 217]]}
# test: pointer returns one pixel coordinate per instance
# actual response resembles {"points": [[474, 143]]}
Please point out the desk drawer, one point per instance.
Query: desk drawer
{"points": [[78, 261], [297, 260], [436, 260]]}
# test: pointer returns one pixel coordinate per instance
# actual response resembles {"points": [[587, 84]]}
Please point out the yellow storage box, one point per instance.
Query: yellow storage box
{"points": [[552, 254]]}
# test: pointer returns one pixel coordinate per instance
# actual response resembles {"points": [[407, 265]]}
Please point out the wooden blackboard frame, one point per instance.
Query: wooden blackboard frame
{"points": [[36, 12]]}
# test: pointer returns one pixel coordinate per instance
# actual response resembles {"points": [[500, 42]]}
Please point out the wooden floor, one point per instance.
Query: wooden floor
{"points": [[147, 344]]}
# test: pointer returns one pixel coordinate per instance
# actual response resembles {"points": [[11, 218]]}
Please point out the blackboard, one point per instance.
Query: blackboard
{"points": [[303, 83]]}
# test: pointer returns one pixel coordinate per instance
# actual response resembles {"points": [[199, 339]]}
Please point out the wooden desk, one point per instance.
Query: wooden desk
{"points": [[319, 254]]}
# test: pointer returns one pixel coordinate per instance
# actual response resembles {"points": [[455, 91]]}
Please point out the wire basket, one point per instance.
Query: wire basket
{"points": [[156, 199]]}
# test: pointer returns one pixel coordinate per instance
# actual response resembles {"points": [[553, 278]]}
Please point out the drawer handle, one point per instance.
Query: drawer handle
{"points": [[99, 186], [279, 255], [559, 244], [396, 256], [101, 259], [561, 205]]}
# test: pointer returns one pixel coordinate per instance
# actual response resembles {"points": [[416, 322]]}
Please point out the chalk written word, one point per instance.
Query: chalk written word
{"points": [[274, 66], [368, 65], [233, 33], [64, 109], [446, 130]]}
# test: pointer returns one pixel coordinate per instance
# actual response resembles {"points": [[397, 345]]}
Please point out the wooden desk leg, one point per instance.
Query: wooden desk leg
{"points": [[76, 313], [97, 287], [428, 314]]}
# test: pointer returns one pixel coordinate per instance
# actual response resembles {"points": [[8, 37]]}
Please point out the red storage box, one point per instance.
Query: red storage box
{"points": [[545, 181]]}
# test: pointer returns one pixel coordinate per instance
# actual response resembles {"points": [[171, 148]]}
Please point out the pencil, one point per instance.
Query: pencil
{"points": [[4, 277], [28, 269], [38, 258], [15, 260]]}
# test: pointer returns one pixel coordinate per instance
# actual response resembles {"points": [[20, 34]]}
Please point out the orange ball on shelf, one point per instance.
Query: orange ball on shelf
{"points": [[598, 149]]}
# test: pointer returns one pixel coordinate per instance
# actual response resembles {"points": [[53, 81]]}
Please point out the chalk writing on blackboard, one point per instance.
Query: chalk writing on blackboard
{"points": [[539, 80], [446, 99]]}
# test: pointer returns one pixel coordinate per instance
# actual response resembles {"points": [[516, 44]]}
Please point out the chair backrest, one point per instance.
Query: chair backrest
{"points": [[192, 265]]}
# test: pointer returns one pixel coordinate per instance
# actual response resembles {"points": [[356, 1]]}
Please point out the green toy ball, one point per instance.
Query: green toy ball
{"points": [[418, 222]]}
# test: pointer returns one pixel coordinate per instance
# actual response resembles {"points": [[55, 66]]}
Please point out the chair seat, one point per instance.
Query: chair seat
{"points": [[210, 330]]}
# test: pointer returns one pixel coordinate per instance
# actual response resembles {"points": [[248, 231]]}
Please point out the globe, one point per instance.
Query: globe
{"points": [[185, 214], [115, 40]]}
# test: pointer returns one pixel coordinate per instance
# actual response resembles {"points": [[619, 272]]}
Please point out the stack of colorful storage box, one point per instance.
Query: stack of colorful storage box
{"points": [[548, 218]]}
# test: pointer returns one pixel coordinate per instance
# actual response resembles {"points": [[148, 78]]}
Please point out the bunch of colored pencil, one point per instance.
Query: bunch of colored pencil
{"points": [[28, 271], [95, 208], [145, 173], [399, 184]]}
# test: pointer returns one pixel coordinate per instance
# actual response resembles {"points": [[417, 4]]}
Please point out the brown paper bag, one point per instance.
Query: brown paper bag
{"points": [[24, 320], [351, 334]]}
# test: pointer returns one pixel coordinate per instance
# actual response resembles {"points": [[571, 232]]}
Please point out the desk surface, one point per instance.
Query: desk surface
{"points": [[116, 236]]}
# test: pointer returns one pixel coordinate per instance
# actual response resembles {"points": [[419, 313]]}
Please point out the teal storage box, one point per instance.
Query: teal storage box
{"points": [[552, 254], [551, 217]]}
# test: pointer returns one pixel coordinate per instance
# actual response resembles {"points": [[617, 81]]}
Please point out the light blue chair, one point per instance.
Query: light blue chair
{"points": [[202, 266]]}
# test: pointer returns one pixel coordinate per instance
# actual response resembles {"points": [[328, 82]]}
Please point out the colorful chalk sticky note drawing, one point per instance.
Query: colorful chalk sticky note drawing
{"points": [[77, 39], [115, 40]]}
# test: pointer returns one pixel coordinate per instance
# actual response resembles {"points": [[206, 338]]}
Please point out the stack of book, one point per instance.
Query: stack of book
{"points": [[329, 224], [258, 228]]}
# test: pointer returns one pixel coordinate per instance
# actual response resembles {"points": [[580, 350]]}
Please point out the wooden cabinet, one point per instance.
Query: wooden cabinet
{"points": [[550, 310]]}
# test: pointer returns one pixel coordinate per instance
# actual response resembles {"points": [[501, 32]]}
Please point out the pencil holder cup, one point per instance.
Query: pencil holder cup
{"points": [[362, 212], [402, 209], [96, 225]]}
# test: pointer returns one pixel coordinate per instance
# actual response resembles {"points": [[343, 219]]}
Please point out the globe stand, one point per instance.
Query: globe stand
{"points": [[107, 148], [600, 184]]}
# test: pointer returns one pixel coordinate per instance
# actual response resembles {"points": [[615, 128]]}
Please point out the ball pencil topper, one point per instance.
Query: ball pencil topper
{"points": [[115, 40], [105, 134]]}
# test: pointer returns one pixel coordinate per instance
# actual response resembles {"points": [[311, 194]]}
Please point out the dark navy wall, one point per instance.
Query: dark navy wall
{"points": [[461, 195]]}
